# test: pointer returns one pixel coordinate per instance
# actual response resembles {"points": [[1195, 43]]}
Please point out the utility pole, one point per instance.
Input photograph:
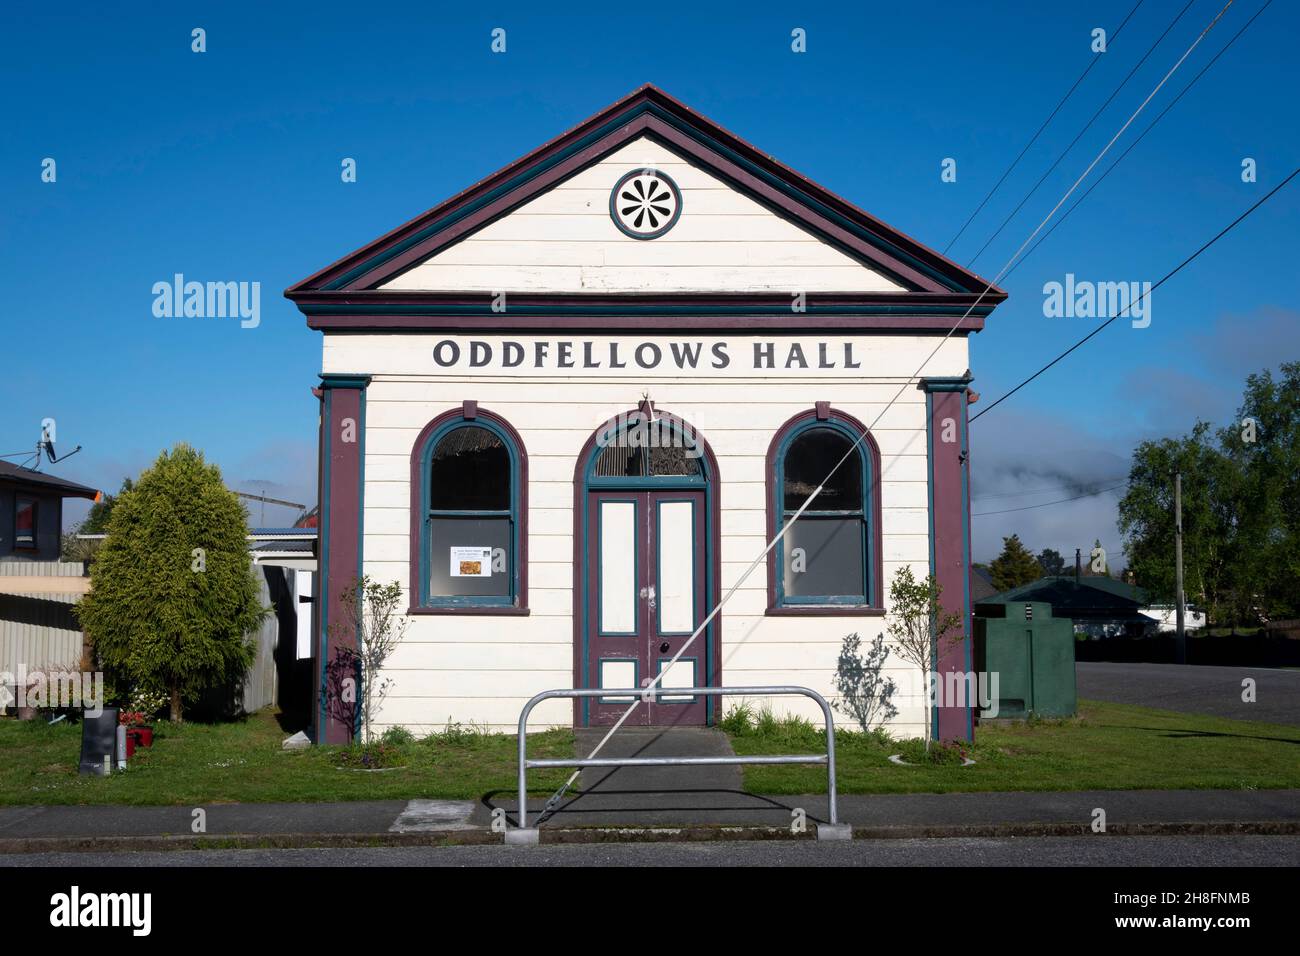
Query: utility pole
{"points": [[1180, 641]]}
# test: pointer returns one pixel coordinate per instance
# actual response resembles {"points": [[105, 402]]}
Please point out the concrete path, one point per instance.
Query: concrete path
{"points": [[1195, 690], [1266, 811], [373, 816], [914, 810], [599, 783]]}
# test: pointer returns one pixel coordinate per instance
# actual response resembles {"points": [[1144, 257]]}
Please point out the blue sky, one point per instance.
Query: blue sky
{"points": [[225, 165]]}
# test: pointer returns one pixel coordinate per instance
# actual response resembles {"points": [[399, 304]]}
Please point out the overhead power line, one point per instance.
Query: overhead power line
{"points": [[1033, 139], [655, 681], [1110, 169], [1163, 279], [1086, 126]]}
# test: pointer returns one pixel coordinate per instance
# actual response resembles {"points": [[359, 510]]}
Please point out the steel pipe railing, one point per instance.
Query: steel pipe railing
{"points": [[827, 758]]}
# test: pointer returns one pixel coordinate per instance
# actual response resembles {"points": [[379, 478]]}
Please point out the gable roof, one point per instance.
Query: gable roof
{"points": [[981, 585], [1091, 596], [347, 293], [16, 474]]}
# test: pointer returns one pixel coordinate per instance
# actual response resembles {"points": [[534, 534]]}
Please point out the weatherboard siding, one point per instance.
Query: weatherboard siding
{"points": [[565, 241], [483, 668]]}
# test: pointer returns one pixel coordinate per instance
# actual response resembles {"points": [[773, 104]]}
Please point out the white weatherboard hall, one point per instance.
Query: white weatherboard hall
{"points": [[568, 407]]}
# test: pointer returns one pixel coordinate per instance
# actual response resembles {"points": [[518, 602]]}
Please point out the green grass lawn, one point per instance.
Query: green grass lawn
{"points": [[1107, 747], [243, 761]]}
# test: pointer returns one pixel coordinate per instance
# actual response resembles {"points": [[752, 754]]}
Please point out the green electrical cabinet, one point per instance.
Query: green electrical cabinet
{"points": [[1032, 654]]}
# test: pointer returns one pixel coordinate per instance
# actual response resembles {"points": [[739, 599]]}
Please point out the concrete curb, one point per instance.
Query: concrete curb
{"points": [[590, 835]]}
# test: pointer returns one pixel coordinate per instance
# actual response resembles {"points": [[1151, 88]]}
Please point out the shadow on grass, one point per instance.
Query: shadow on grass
{"points": [[1185, 734]]}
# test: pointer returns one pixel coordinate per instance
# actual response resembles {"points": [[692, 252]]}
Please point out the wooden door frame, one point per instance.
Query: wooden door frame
{"points": [[582, 487]]}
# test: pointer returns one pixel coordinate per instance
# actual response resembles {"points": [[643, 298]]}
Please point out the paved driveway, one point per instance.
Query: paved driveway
{"points": [[1252, 851], [1192, 689]]}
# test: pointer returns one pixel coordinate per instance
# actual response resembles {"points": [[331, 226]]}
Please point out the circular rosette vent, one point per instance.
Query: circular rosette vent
{"points": [[645, 203]]}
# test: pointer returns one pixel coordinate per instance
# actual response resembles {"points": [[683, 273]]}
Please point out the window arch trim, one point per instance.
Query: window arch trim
{"points": [[468, 415], [869, 452]]}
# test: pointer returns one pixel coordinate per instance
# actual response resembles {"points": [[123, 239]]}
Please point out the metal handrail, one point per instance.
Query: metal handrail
{"points": [[827, 758]]}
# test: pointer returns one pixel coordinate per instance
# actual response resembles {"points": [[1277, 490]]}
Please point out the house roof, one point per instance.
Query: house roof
{"points": [[347, 295], [16, 474], [1090, 597], [981, 586]]}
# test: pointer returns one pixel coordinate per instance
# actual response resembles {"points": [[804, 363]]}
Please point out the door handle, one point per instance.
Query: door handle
{"points": [[649, 594]]}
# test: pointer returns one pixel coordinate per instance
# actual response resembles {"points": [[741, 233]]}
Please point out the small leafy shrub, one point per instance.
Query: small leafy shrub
{"points": [[880, 737], [397, 736], [456, 734], [143, 706]]}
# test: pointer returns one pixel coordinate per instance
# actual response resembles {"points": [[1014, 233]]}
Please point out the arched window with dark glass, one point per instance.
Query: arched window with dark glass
{"points": [[828, 557], [471, 483]]}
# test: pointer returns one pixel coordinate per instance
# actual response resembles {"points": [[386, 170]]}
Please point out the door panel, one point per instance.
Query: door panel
{"points": [[676, 566], [645, 597], [619, 581]]}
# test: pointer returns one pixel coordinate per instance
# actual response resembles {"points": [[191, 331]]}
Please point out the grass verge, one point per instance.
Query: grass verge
{"points": [[242, 761], [1107, 747]]}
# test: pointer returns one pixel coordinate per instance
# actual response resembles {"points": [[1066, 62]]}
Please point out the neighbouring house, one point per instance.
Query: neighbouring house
{"points": [[567, 408], [981, 585], [31, 512], [1166, 617], [1099, 606], [38, 629]]}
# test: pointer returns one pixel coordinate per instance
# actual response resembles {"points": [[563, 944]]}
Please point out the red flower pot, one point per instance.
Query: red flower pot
{"points": [[138, 737]]}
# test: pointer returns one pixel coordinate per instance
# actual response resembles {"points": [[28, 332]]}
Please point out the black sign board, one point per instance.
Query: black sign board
{"points": [[98, 740]]}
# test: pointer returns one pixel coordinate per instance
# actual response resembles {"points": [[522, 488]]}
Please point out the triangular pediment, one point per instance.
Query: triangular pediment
{"points": [[569, 240], [728, 231]]}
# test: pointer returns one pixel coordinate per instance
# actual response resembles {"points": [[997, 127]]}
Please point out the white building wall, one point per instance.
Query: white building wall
{"points": [[483, 668]]}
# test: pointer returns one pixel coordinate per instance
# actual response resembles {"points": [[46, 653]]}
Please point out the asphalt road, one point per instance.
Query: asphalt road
{"points": [[1254, 851], [1192, 689]]}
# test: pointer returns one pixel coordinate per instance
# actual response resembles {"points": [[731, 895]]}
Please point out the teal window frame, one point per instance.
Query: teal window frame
{"points": [[428, 514], [864, 513]]}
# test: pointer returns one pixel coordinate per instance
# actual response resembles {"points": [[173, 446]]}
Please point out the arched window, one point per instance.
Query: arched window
{"points": [[829, 560], [468, 483]]}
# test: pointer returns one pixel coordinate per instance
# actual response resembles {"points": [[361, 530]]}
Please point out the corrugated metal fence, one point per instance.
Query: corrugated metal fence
{"points": [[43, 569], [38, 630]]}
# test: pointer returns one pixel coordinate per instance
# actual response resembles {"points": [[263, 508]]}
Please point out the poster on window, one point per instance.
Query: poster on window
{"points": [[471, 562]]}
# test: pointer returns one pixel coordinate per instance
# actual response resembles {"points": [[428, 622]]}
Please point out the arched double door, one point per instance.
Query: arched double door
{"points": [[645, 567]]}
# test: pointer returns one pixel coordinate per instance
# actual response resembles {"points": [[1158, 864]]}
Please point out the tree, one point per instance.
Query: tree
{"points": [[1241, 508], [173, 595], [1263, 442], [921, 629], [371, 614], [1051, 562], [95, 522], [866, 694], [1014, 566]]}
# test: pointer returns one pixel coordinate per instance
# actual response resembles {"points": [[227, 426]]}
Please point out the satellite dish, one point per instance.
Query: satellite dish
{"points": [[47, 444]]}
